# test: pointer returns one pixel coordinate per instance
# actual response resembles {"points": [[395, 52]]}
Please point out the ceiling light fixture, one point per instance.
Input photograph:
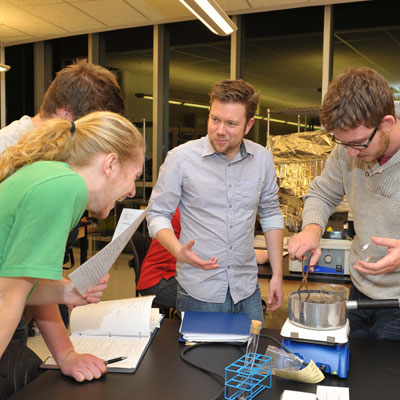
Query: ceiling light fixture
{"points": [[206, 107], [3, 67], [210, 13]]}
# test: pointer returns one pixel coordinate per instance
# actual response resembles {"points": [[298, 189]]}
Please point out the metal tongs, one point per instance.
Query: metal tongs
{"points": [[304, 281]]}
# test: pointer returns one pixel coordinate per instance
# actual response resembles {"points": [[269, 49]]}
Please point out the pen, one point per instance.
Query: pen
{"points": [[114, 360]]}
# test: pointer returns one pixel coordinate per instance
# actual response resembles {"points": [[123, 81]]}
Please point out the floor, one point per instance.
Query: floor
{"points": [[122, 285]]}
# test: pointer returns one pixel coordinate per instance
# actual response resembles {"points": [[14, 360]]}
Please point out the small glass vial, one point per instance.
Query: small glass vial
{"points": [[251, 350], [372, 253]]}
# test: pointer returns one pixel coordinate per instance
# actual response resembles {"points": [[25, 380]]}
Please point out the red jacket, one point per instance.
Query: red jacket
{"points": [[158, 262]]}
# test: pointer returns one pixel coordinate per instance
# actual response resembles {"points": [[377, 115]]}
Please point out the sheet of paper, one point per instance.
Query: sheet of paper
{"points": [[108, 348], [309, 374], [89, 273], [124, 317], [295, 395], [127, 217], [332, 393]]}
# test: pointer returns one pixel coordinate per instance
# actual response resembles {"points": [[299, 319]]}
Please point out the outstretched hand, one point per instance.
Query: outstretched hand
{"points": [[188, 256]]}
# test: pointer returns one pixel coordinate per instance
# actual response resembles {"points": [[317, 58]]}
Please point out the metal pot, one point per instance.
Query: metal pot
{"points": [[324, 310]]}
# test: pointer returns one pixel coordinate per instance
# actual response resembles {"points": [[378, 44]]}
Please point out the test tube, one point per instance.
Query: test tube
{"points": [[251, 350]]}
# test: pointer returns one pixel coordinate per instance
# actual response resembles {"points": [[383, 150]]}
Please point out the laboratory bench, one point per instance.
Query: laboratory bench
{"points": [[374, 373]]}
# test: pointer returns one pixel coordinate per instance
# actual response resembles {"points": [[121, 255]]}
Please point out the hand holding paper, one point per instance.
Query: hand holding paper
{"points": [[92, 295], [89, 273]]}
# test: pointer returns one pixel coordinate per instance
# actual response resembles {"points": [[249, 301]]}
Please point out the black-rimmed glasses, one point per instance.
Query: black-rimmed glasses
{"points": [[357, 146]]}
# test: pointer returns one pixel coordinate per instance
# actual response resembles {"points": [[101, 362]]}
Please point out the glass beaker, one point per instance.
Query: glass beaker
{"points": [[372, 252]]}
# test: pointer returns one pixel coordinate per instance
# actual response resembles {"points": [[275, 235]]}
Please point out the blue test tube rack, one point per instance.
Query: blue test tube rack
{"points": [[240, 377]]}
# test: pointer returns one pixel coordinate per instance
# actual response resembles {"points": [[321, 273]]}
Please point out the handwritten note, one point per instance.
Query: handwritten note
{"points": [[309, 374], [89, 273]]}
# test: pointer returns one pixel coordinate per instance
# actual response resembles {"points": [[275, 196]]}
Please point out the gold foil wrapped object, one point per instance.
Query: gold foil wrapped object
{"points": [[299, 158]]}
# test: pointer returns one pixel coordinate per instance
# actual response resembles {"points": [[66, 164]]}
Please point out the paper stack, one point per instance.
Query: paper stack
{"points": [[202, 326]]}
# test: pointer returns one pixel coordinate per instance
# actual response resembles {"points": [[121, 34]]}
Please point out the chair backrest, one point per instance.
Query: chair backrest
{"points": [[19, 365], [140, 243]]}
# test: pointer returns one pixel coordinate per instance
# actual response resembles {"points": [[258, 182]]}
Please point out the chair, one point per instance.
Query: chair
{"points": [[140, 243], [19, 365], [69, 254]]}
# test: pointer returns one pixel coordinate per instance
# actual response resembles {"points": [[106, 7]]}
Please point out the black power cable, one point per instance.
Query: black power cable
{"points": [[215, 374]]}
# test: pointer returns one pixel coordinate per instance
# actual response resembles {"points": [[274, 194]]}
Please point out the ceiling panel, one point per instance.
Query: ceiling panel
{"points": [[58, 18], [27, 23], [6, 31], [19, 3], [232, 6], [122, 13], [157, 11], [65, 16]]}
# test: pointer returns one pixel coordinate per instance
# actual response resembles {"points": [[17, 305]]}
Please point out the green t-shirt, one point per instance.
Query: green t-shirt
{"points": [[39, 205]]}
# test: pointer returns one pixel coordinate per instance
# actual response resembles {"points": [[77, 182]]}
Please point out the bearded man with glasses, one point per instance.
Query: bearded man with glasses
{"points": [[359, 110]]}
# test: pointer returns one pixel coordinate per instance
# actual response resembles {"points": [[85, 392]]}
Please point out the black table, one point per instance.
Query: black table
{"points": [[374, 374]]}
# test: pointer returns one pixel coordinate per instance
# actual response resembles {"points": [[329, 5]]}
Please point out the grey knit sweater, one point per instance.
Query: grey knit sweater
{"points": [[373, 192]]}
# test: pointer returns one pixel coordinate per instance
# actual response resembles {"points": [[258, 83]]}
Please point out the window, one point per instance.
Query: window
{"points": [[283, 61]]}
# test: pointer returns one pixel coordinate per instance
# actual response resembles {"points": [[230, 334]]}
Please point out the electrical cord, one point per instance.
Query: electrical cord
{"points": [[214, 374], [217, 375]]}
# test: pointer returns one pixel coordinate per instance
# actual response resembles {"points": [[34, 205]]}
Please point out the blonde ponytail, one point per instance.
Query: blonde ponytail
{"points": [[52, 142], [100, 131]]}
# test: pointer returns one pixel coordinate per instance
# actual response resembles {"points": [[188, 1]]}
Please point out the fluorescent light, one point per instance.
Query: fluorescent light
{"points": [[280, 121], [179, 103], [4, 67], [195, 105], [206, 107], [198, 17], [212, 15]]}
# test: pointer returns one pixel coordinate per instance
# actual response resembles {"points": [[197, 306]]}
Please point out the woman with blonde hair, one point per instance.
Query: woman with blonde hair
{"points": [[47, 181]]}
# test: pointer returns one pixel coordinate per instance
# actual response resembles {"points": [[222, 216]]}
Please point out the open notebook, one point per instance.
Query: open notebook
{"points": [[115, 328]]}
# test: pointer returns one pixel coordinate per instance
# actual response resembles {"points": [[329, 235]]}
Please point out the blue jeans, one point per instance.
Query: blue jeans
{"points": [[374, 323], [165, 292], [251, 306]]}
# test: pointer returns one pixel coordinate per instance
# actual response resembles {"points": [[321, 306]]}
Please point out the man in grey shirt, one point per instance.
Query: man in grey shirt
{"points": [[220, 183], [364, 165]]}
